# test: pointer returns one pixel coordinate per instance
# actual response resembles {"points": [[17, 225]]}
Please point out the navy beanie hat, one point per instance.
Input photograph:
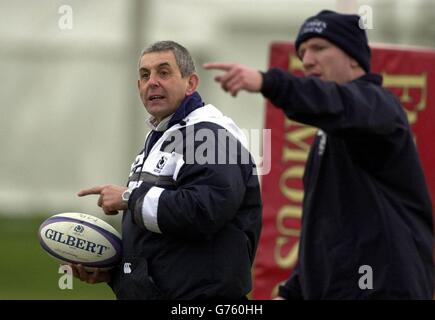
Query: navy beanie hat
{"points": [[342, 30]]}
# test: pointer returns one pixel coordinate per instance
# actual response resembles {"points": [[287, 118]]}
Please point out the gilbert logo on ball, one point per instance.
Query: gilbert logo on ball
{"points": [[80, 238]]}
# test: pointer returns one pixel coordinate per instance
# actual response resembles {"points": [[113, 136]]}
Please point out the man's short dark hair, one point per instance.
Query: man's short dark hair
{"points": [[182, 56]]}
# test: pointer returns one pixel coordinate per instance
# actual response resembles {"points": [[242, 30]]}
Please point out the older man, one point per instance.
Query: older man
{"points": [[192, 206]]}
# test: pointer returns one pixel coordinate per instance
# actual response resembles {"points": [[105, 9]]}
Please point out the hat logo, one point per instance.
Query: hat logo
{"points": [[314, 26]]}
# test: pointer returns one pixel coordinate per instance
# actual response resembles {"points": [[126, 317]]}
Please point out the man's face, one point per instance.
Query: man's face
{"points": [[160, 84], [321, 58]]}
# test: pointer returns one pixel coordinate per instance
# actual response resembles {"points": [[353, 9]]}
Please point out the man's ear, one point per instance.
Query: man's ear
{"points": [[138, 84], [192, 84], [353, 63]]}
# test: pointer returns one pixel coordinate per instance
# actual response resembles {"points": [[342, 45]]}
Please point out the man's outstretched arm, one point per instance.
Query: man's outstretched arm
{"points": [[236, 77]]}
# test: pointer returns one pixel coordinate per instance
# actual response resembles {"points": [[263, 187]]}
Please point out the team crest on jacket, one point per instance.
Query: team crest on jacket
{"points": [[160, 164]]}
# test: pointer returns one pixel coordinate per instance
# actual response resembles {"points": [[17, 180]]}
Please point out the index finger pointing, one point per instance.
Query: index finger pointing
{"points": [[218, 66], [94, 190]]}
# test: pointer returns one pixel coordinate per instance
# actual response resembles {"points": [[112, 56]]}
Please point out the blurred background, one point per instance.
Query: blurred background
{"points": [[70, 115]]}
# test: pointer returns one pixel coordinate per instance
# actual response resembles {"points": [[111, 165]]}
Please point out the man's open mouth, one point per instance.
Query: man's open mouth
{"points": [[155, 97]]}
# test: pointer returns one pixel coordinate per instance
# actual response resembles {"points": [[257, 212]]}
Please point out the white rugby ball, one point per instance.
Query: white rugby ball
{"points": [[80, 238]]}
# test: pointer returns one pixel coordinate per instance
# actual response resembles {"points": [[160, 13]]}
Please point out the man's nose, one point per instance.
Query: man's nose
{"points": [[153, 80], [308, 60]]}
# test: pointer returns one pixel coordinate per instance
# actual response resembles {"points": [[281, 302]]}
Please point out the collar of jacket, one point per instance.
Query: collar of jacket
{"points": [[189, 103], [371, 77], [154, 125]]}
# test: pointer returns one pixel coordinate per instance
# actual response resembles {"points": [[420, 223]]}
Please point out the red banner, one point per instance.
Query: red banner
{"points": [[410, 74]]}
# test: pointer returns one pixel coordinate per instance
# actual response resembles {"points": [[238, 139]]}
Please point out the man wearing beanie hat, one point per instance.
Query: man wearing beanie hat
{"points": [[367, 229]]}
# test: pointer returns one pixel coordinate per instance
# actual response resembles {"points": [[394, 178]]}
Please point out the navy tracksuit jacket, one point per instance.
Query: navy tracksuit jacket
{"points": [[192, 228], [366, 201]]}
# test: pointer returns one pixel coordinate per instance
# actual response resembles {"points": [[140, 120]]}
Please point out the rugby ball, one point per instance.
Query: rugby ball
{"points": [[79, 238]]}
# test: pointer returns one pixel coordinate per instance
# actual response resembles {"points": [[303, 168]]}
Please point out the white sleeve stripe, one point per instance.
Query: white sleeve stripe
{"points": [[180, 163], [150, 207]]}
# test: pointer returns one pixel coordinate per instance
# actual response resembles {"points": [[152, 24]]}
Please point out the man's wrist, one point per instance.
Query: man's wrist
{"points": [[126, 195]]}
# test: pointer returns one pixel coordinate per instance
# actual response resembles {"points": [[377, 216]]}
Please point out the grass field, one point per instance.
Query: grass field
{"points": [[28, 272]]}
